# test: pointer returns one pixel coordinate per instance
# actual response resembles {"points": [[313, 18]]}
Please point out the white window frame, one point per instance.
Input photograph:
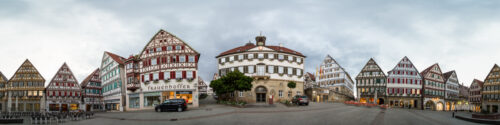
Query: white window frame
{"points": [[299, 60], [158, 49], [178, 74], [280, 93], [189, 74], [260, 55], [166, 75], [250, 56], [241, 94], [223, 60], [281, 57], [290, 58], [290, 71], [270, 56], [270, 69], [146, 77], [178, 47], [299, 72], [169, 48], [231, 58], [191, 58], [153, 61], [240, 57], [251, 69], [240, 69], [280, 70], [182, 58], [155, 76]]}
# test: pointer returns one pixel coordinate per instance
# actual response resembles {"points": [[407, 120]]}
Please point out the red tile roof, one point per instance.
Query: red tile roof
{"points": [[115, 57], [311, 76], [86, 80], [249, 46]]}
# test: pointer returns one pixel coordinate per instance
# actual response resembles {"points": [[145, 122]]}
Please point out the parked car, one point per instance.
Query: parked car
{"points": [[300, 99], [172, 105]]}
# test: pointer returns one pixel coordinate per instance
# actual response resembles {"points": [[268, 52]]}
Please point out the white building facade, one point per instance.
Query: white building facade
{"points": [[112, 75], [332, 76], [404, 85]]}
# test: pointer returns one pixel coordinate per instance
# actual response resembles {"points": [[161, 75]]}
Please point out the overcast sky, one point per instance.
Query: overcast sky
{"points": [[460, 35]]}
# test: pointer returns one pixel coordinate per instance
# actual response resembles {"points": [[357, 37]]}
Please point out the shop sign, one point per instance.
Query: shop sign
{"points": [[168, 87], [184, 92]]}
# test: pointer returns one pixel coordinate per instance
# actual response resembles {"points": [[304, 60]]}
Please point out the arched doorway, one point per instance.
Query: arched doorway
{"points": [[439, 106], [260, 93], [430, 105], [380, 101]]}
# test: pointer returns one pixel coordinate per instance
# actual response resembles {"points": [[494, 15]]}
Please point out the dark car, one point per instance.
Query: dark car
{"points": [[300, 100], [172, 105]]}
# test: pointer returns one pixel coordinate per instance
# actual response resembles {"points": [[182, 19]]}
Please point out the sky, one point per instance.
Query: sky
{"points": [[461, 35]]}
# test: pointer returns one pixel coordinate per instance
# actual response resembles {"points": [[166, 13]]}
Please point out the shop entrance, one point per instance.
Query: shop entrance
{"points": [[260, 92], [64, 107], [380, 101]]}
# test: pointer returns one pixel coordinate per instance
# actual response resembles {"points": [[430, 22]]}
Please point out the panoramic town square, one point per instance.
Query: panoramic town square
{"points": [[346, 62]]}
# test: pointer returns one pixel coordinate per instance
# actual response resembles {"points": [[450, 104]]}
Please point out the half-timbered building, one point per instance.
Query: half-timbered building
{"points": [[475, 96], [166, 68], [25, 89], [371, 83], [404, 85], [335, 78], [92, 99], [491, 91], [63, 92], [3, 90], [433, 88], [451, 95]]}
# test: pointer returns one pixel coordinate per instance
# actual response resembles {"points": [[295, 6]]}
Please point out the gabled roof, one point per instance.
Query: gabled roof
{"points": [[448, 74], [160, 31], [115, 57], [479, 82], [4, 79], [57, 73], [24, 63], [404, 58], [491, 71], [311, 76], [249, 46], [374, 63], [87, 79]]}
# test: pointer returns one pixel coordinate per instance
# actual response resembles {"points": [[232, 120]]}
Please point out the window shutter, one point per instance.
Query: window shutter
{"points": [[194, 74], [172, 74], [164, 48], [245, 56], [149, 62], [161, 76], [196, 59], [235, 57], [173, 47], [266, 56], [183, 74], [245, 69], [275, 69], [187, 58], [158, 61], [151, 77], [183, 47], [171, 59], [147, 51], [177, 58]]}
